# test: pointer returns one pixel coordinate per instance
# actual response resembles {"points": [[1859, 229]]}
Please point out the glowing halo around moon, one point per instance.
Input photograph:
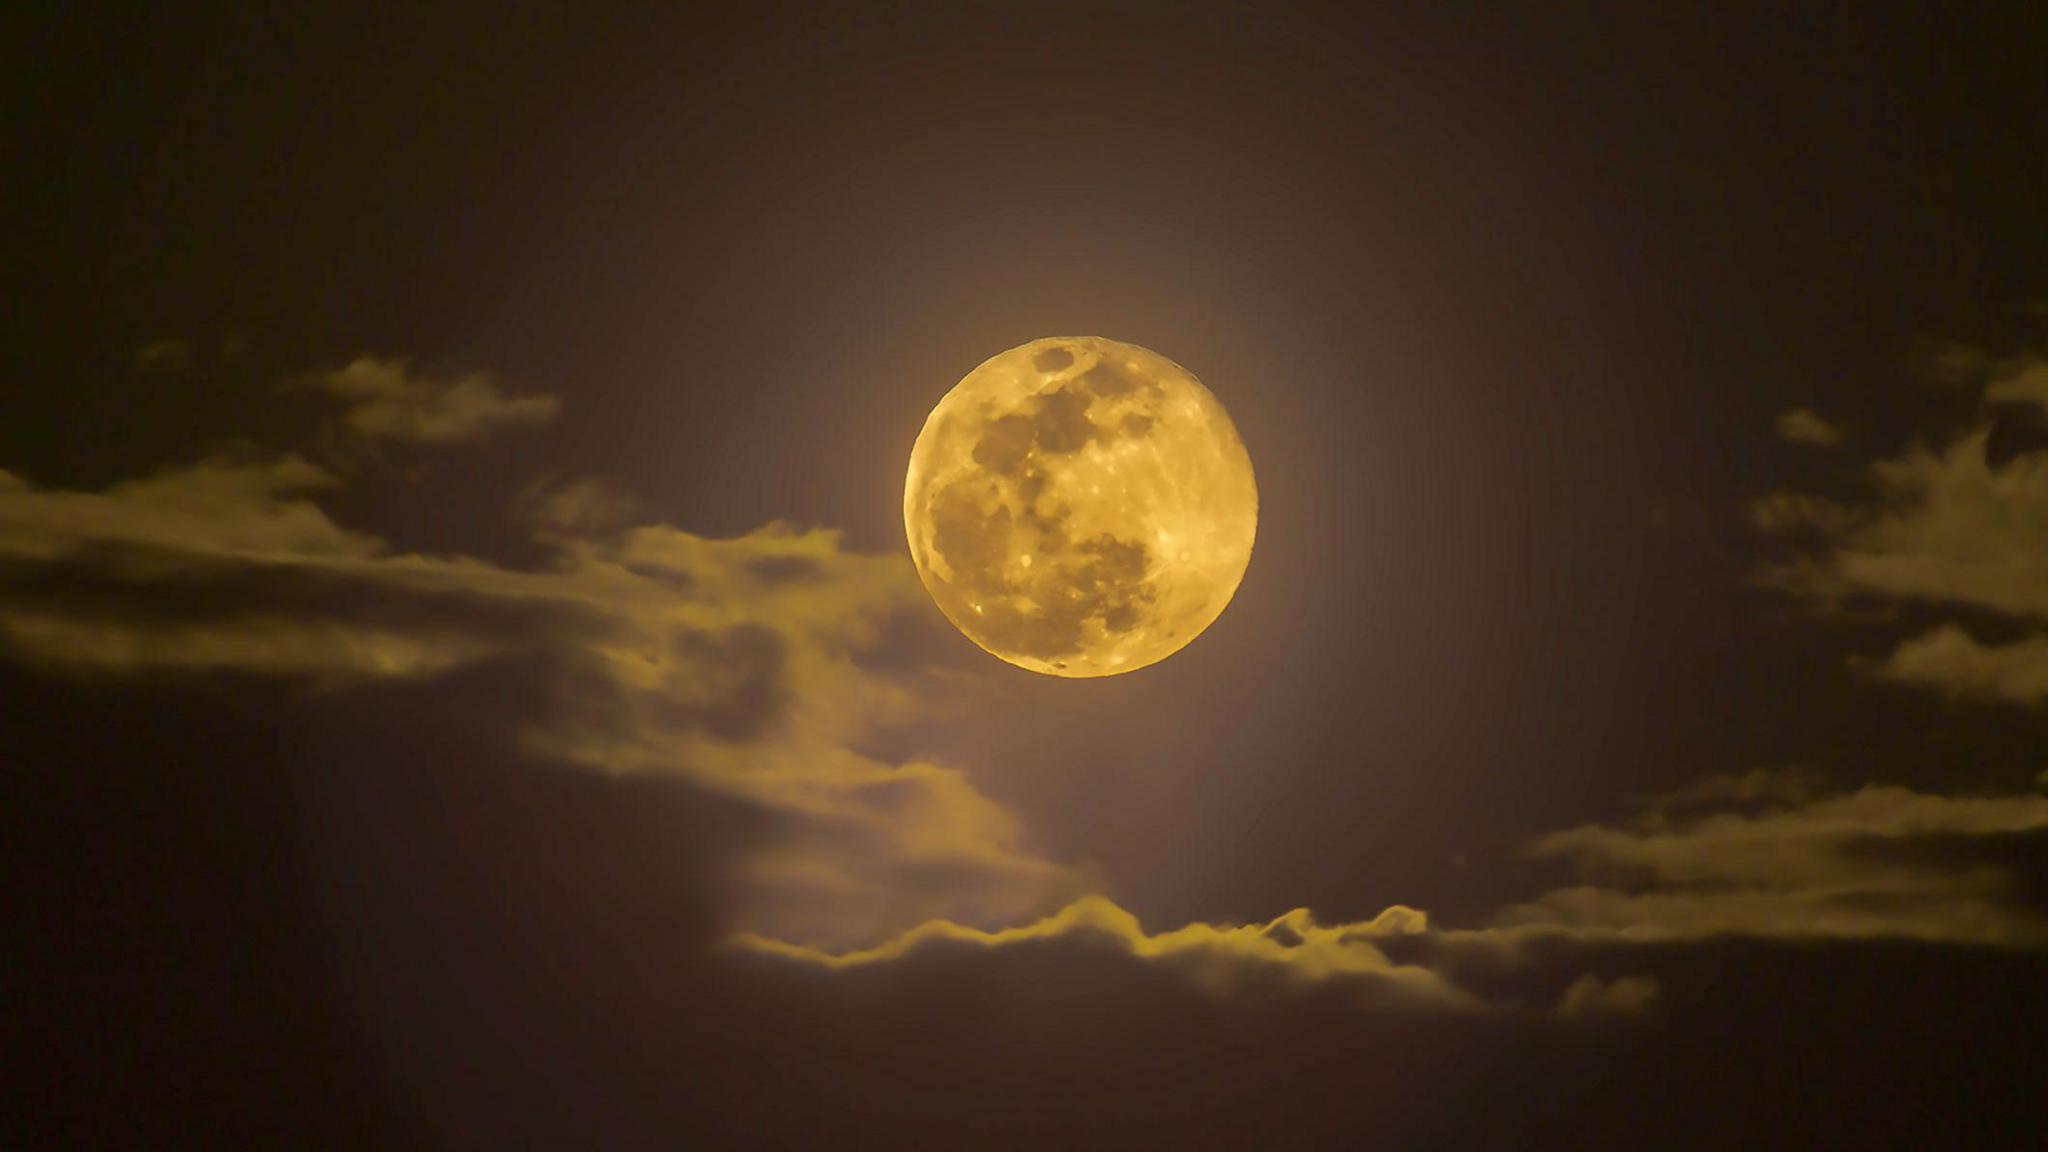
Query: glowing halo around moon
{"points": [[1080, 507]]}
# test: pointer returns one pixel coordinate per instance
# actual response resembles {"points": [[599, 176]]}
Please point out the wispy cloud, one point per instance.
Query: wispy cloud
{"points": [[386, 400], [1950, 660], [1961, 527], [736, 663], [1837, 865], [1771, 856], [167, 356], [1590, 998], [1293, 947], [1805, 426], [2019, 381], [213, 512], [260, 645]]}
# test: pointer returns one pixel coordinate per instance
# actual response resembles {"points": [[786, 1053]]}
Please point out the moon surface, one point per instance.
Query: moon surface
{"points": [[1080, 507]]}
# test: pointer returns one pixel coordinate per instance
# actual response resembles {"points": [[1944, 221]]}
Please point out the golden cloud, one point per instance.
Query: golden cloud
{"points": [[260, 645], [2019, 381], [1591, 998], [387, 401], [1292, 946], [735, 663], [1962, 527], [1782, 863], [216, 511], [1950, 660], [1805, 426]]}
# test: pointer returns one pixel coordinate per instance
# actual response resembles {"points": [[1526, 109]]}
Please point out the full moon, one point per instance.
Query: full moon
{"points": [[1080, 507]]}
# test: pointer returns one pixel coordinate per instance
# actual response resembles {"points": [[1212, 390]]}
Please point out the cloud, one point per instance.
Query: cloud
{"points": [[1785, 513], [258, 645], [1625, 996], [736, 663], [1780, 864], [578, 508], [1952, 525], [1961, 528], [217, 511], [1805, 426], [1943, 528], [1950, 660], [1293, 947], [1757, 786], [1773, 856], [1951, 364], [2017, 400], [2021, 381], [167, 356], [388, 402]]}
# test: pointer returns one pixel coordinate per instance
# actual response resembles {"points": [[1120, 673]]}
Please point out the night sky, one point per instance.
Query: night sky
{"points": [[463, 683]]}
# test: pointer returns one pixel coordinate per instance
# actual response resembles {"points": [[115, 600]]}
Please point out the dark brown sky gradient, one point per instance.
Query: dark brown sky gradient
{"points": [[1508, 305]]}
